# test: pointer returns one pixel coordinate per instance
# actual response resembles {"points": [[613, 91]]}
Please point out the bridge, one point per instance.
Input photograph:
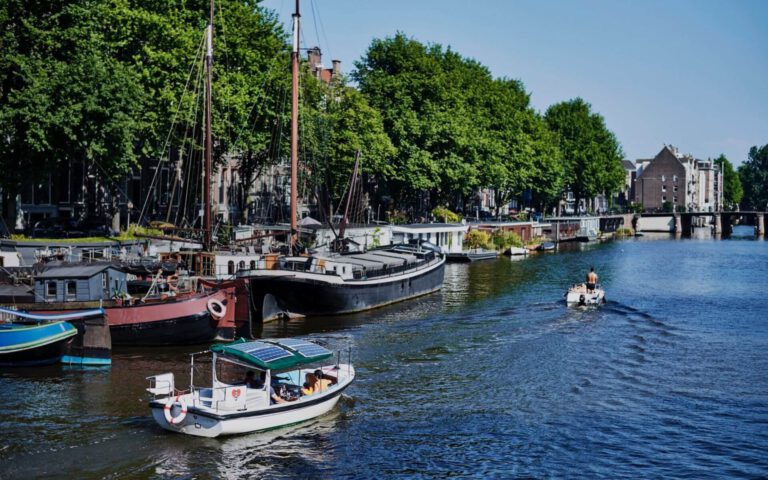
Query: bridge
{"points": [[684, 223]]}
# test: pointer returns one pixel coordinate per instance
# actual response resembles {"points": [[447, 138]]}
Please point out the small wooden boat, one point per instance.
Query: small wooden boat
{"points": [[229, 406], [31, 339], [579, 296]]}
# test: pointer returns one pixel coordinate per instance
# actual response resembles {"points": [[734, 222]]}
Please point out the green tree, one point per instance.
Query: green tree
{"points": [[456, 128], [733, 192], [591, 154], [64, 97], [754, 178], [337, 122]]}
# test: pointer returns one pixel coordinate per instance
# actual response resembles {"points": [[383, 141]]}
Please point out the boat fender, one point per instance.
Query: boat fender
{"points": [[169, 405], [217, 309]]}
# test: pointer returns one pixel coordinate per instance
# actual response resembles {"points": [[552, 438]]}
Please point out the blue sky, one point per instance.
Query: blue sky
{"points": [[691, 73]]}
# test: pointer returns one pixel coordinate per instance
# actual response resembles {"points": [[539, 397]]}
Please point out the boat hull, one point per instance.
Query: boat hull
{"points": [[31, 345], [580, 297], [203, 421], [314, 294], [184, 320], [466, 257]]}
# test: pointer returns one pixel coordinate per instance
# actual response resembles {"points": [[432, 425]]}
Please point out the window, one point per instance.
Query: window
{"points": [[674, 179], [664, 198], [674, 189], [71, 289], [241, 265], [253, 264], [674, 199], [663, 188], [231, 267], [50, 289], [104, 283], [663, 178]]}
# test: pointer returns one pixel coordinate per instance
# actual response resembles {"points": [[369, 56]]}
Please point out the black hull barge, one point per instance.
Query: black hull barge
{"points": [[322, 285]]}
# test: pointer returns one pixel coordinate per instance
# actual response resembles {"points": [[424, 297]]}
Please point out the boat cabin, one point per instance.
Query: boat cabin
{"points": [[448, 236], [80, 283]]}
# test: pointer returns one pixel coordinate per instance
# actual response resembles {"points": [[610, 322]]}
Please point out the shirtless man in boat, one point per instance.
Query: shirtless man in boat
{"points": [[591, 280]]}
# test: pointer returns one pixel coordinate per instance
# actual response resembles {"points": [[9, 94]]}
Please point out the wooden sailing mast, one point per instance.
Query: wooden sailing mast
{"points": [[207, 230], [294, 129]]}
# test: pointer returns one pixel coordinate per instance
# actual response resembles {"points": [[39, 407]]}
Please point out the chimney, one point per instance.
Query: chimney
{"points": [[336, 67], [315, 57]]}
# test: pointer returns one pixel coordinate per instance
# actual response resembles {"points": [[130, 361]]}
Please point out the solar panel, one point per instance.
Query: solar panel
{"points": [[304, 348], [264, 351]]}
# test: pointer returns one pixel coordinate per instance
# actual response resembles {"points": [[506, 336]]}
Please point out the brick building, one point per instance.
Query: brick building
{"points": [[687, 183]]}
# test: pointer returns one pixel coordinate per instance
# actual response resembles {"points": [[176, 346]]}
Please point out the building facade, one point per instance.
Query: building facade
{"points": [[678, 180]]}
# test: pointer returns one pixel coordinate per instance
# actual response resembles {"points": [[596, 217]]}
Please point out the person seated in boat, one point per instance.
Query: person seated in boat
{"points": [[309, 386], [591, 280], [274, 397], [323, 381]]}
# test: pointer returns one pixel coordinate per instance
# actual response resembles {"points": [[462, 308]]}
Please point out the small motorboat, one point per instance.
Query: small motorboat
{"points": [[35, 339], [231, 406], [33, 344], [579, 296], [546, 247], [516, 251]]}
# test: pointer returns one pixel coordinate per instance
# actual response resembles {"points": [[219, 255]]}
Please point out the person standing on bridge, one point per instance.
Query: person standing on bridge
{"points": [[591, 280]]}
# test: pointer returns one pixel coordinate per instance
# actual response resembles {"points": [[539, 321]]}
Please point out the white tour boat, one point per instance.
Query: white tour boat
{"points": [[579, 296], [231, 407]]}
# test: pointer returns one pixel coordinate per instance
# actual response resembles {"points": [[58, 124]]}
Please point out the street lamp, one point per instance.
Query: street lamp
{"points": [[129, 205]]}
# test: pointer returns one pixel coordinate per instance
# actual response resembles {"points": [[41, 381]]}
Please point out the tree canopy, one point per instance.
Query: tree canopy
{"points": [[455, 127], [754, 177], [732, 189], [591, 154]]}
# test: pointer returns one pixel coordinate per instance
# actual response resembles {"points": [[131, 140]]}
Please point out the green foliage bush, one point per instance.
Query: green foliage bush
{"points": [[477, 239], [503, 240], [443, 214]]}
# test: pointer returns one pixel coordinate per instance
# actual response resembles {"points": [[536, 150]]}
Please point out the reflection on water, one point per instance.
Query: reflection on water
{"points": [[491, 377]]}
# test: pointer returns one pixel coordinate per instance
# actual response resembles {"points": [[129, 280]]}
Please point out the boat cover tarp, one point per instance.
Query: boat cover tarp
{"points": [[273, 354], [53, 316], [391, 259]]}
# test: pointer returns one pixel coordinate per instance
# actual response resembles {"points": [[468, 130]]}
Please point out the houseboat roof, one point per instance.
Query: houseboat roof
{"points": [[435, 227], [75, 271], [273, 354]]}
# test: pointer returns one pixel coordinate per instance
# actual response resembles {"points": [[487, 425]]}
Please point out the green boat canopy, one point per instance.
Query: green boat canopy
{"points": [[273, 354]]}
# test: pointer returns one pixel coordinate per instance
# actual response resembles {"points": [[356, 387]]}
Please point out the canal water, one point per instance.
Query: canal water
{"points": [[493, 377]]}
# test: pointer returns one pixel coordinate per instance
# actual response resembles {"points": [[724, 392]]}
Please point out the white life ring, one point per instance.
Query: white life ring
{"points": [[169, 406], [217, 309]]}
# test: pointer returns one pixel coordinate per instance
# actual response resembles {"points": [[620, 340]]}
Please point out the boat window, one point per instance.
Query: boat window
{"points": [[71, 289], [253, 264], [50, 289], [104, 283], [231, 267], [241, 265]]}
